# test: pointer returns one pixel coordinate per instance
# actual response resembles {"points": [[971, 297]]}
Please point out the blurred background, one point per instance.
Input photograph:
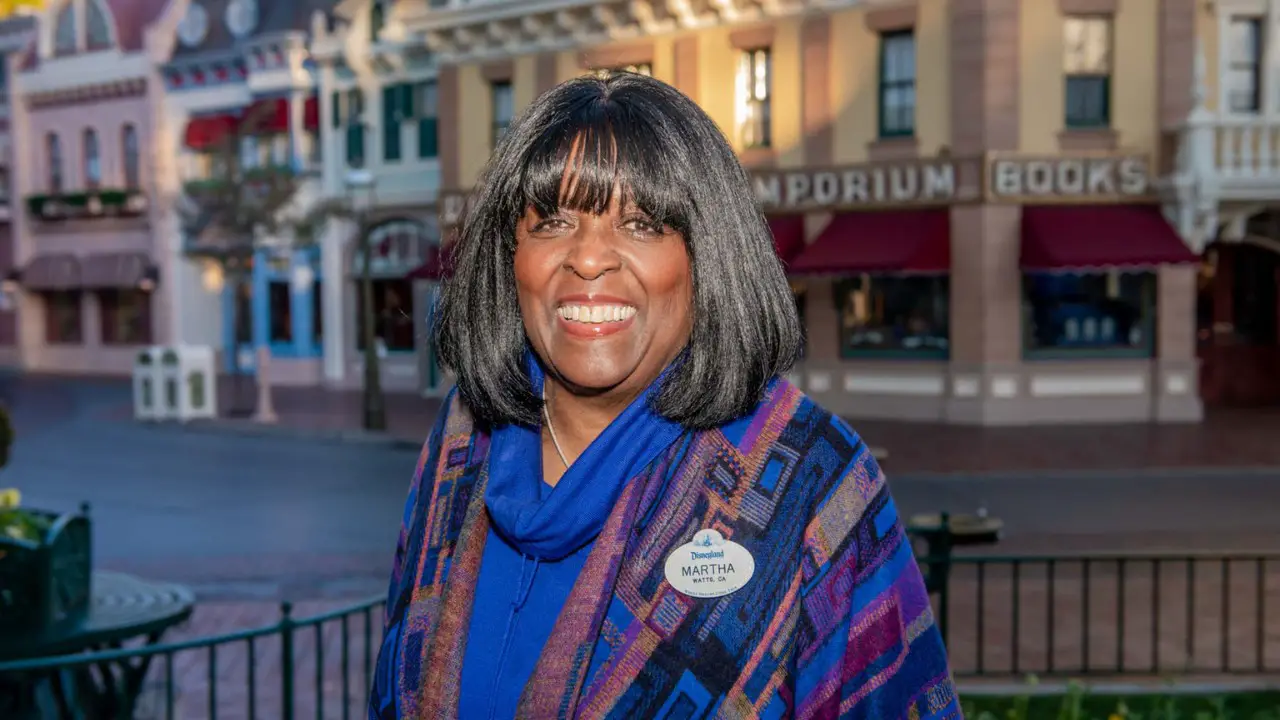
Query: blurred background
{"points": [[1035, 245]]}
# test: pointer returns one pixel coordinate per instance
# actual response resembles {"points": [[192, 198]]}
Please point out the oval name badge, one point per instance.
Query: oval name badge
{"points": [[709, 566]]}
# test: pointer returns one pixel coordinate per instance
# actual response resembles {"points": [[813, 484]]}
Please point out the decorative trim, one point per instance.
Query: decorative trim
{"points": [[754, 38], [85, 94], [890, 149], [1088, 7], [1088, 140], [498, 71], [616, 56], [900, 17]]}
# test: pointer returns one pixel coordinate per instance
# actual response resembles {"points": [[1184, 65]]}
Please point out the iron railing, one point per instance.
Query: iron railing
{"points": [[1152, 614], [265, 672]]}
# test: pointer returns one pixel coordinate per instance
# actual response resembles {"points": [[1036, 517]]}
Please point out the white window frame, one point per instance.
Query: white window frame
{"points": [[1269, 11]]}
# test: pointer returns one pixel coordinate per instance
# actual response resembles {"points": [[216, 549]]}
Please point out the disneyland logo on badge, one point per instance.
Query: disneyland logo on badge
{"points": [[888, 184]]}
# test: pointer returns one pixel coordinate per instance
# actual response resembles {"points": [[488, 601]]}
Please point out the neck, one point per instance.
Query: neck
{"points": [[579, 419]]}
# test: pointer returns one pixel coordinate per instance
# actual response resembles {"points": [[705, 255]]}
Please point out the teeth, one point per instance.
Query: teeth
{"points": [[596, 313]]}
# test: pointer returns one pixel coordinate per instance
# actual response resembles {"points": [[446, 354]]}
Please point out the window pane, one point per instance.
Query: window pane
{"points": [[126, 317], [317, 311], [427, 100], [896, 314], [65, 35], [130, 143], [99, 35], [899, 58], [1246, 40], [393, 315], [280, 311], [1087, 101], [1242, 90], [1089, 311], [1087, 43], [428, 137], [62, 318], [244, 313], [92, 166]]}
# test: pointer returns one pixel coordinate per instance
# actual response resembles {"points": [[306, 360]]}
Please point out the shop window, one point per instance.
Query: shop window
{"points": [[62, 315], [280, 312], [504, 109], [428, 120], [393, 315], [92, 160], [244, 313], [53, 155], [894, 316], [317, 311], [1099, 313], [126, 317], [1087, 65], [129, 146], [1244, 71], [754, 89], [898, 84]]}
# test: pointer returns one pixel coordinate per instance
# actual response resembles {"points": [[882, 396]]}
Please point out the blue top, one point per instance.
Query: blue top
{"points": [[538, 542]]}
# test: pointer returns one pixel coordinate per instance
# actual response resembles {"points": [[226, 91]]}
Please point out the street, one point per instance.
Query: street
{"points": [[269, 516]]}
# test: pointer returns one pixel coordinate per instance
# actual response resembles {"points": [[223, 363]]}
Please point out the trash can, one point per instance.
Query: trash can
{"points": [[198, 391], [146, 379], [170, 384]]}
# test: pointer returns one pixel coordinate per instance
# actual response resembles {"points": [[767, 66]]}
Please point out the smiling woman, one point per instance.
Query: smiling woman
{"points": [[623, 510]]}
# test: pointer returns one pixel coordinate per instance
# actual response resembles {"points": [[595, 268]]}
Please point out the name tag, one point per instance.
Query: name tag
{"points": [[709, 566]]}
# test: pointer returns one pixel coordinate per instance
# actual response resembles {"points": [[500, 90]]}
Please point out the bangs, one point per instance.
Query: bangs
{"points": [[599, 150]]}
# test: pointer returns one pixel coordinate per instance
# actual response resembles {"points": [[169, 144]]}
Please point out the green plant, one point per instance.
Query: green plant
{"points": [[18, 523]]}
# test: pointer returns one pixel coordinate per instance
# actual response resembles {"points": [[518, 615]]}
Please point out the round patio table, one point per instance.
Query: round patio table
{"points": [[125, 609]]}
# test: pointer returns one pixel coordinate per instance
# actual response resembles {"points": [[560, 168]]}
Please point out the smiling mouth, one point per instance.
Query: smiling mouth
{"points": [[596, 314]]}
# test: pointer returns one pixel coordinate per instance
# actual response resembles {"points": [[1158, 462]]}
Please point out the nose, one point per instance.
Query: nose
{"points": [[594, 250]]}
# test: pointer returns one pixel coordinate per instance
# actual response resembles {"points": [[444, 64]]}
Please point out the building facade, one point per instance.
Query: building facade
{"points": [[974, 198], [15, 35], [87, 262]]}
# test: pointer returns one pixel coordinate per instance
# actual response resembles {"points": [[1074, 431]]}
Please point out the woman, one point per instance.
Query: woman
{"points": [[623, 511]]}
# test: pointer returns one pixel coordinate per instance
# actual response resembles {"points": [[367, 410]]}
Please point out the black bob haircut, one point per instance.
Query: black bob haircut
{"points": [[669, 158]]}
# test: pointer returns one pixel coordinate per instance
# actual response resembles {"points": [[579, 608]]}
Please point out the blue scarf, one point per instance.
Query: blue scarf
{"points": [[552, 525]]}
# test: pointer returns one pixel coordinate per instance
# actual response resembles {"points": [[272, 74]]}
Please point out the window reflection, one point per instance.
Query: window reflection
{"points": [[1089, 312], [883, 314]]}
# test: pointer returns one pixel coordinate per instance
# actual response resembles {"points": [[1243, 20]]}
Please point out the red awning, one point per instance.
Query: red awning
{"points": [[1099, 236], [891, 241], [788, 235], [268, 116], [311, 114], [207, 131], [436, 267]]}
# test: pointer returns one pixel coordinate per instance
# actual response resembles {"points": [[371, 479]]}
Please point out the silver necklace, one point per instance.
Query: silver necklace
{"points": [[551, 429]]}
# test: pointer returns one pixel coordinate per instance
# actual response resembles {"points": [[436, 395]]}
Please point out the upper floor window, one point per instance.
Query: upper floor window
{"points": [[504, 108], [53, 155], [754, 81], [66, 33], [129, 147], [92, 159], [1244, 71], [97, 29], [353, 116], [394, 112], [1087, 66], [428, 119], [898, 84], [377, 19]]}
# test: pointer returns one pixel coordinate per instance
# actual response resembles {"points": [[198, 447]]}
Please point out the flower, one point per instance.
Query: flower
{"points": [[10, 499]]}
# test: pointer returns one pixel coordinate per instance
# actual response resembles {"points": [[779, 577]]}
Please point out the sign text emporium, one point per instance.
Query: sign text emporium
{"points": [[907, 184]]}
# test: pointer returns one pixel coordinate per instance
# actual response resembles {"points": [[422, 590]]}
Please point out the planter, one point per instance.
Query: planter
{"points": [[45, 584]]}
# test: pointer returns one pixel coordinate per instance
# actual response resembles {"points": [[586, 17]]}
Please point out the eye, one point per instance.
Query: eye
{"points": [[551, 224], [643, 225]]}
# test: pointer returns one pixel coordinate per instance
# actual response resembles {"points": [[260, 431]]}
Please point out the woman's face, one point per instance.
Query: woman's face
{"points": [[606, 299]]}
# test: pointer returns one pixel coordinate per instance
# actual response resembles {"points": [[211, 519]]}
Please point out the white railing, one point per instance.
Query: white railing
{"points": [[1247, 149]]}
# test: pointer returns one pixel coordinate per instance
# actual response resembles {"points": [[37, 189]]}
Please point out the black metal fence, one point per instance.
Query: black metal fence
{"points": [[1151, 614], [319, 666], [1098, 614]]}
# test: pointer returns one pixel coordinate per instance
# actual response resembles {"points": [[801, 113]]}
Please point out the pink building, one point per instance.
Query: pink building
{"points": [[88, 263], [15, 35]]}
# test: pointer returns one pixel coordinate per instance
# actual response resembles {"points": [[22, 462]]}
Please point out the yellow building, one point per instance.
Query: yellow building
{"points": [[969, 194]]}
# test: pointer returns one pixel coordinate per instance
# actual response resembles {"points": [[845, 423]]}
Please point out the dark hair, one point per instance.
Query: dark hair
{"points": [[671, 160]]}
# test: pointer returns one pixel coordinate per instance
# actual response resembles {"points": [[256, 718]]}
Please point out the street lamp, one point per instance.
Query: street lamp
{"points": [[360, 193]]}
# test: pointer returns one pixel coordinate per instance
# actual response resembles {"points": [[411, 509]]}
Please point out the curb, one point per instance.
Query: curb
{"points": [[972, 687], [247, 428]]}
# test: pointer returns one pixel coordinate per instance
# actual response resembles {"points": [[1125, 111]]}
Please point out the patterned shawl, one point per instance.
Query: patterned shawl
{"points": [[835, 623]]}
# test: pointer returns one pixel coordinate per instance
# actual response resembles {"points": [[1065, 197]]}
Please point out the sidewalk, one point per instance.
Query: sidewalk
{"points": [[1226, 439]]}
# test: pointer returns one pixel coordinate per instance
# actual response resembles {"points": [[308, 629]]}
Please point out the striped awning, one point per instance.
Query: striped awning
{"points": [[54, 271], [113, 270]]}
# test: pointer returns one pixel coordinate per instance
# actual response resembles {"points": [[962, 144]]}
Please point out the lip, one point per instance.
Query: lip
{"points": [[581, 299]]}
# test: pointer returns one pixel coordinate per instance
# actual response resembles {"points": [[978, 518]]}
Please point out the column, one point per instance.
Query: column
{"points": [[986, 324], [301, 288], [1176, 384], [332, 272], [297, 127]]}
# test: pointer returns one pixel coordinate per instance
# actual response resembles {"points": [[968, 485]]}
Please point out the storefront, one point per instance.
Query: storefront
{"points": [[1006, 290], [276, 305]]}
